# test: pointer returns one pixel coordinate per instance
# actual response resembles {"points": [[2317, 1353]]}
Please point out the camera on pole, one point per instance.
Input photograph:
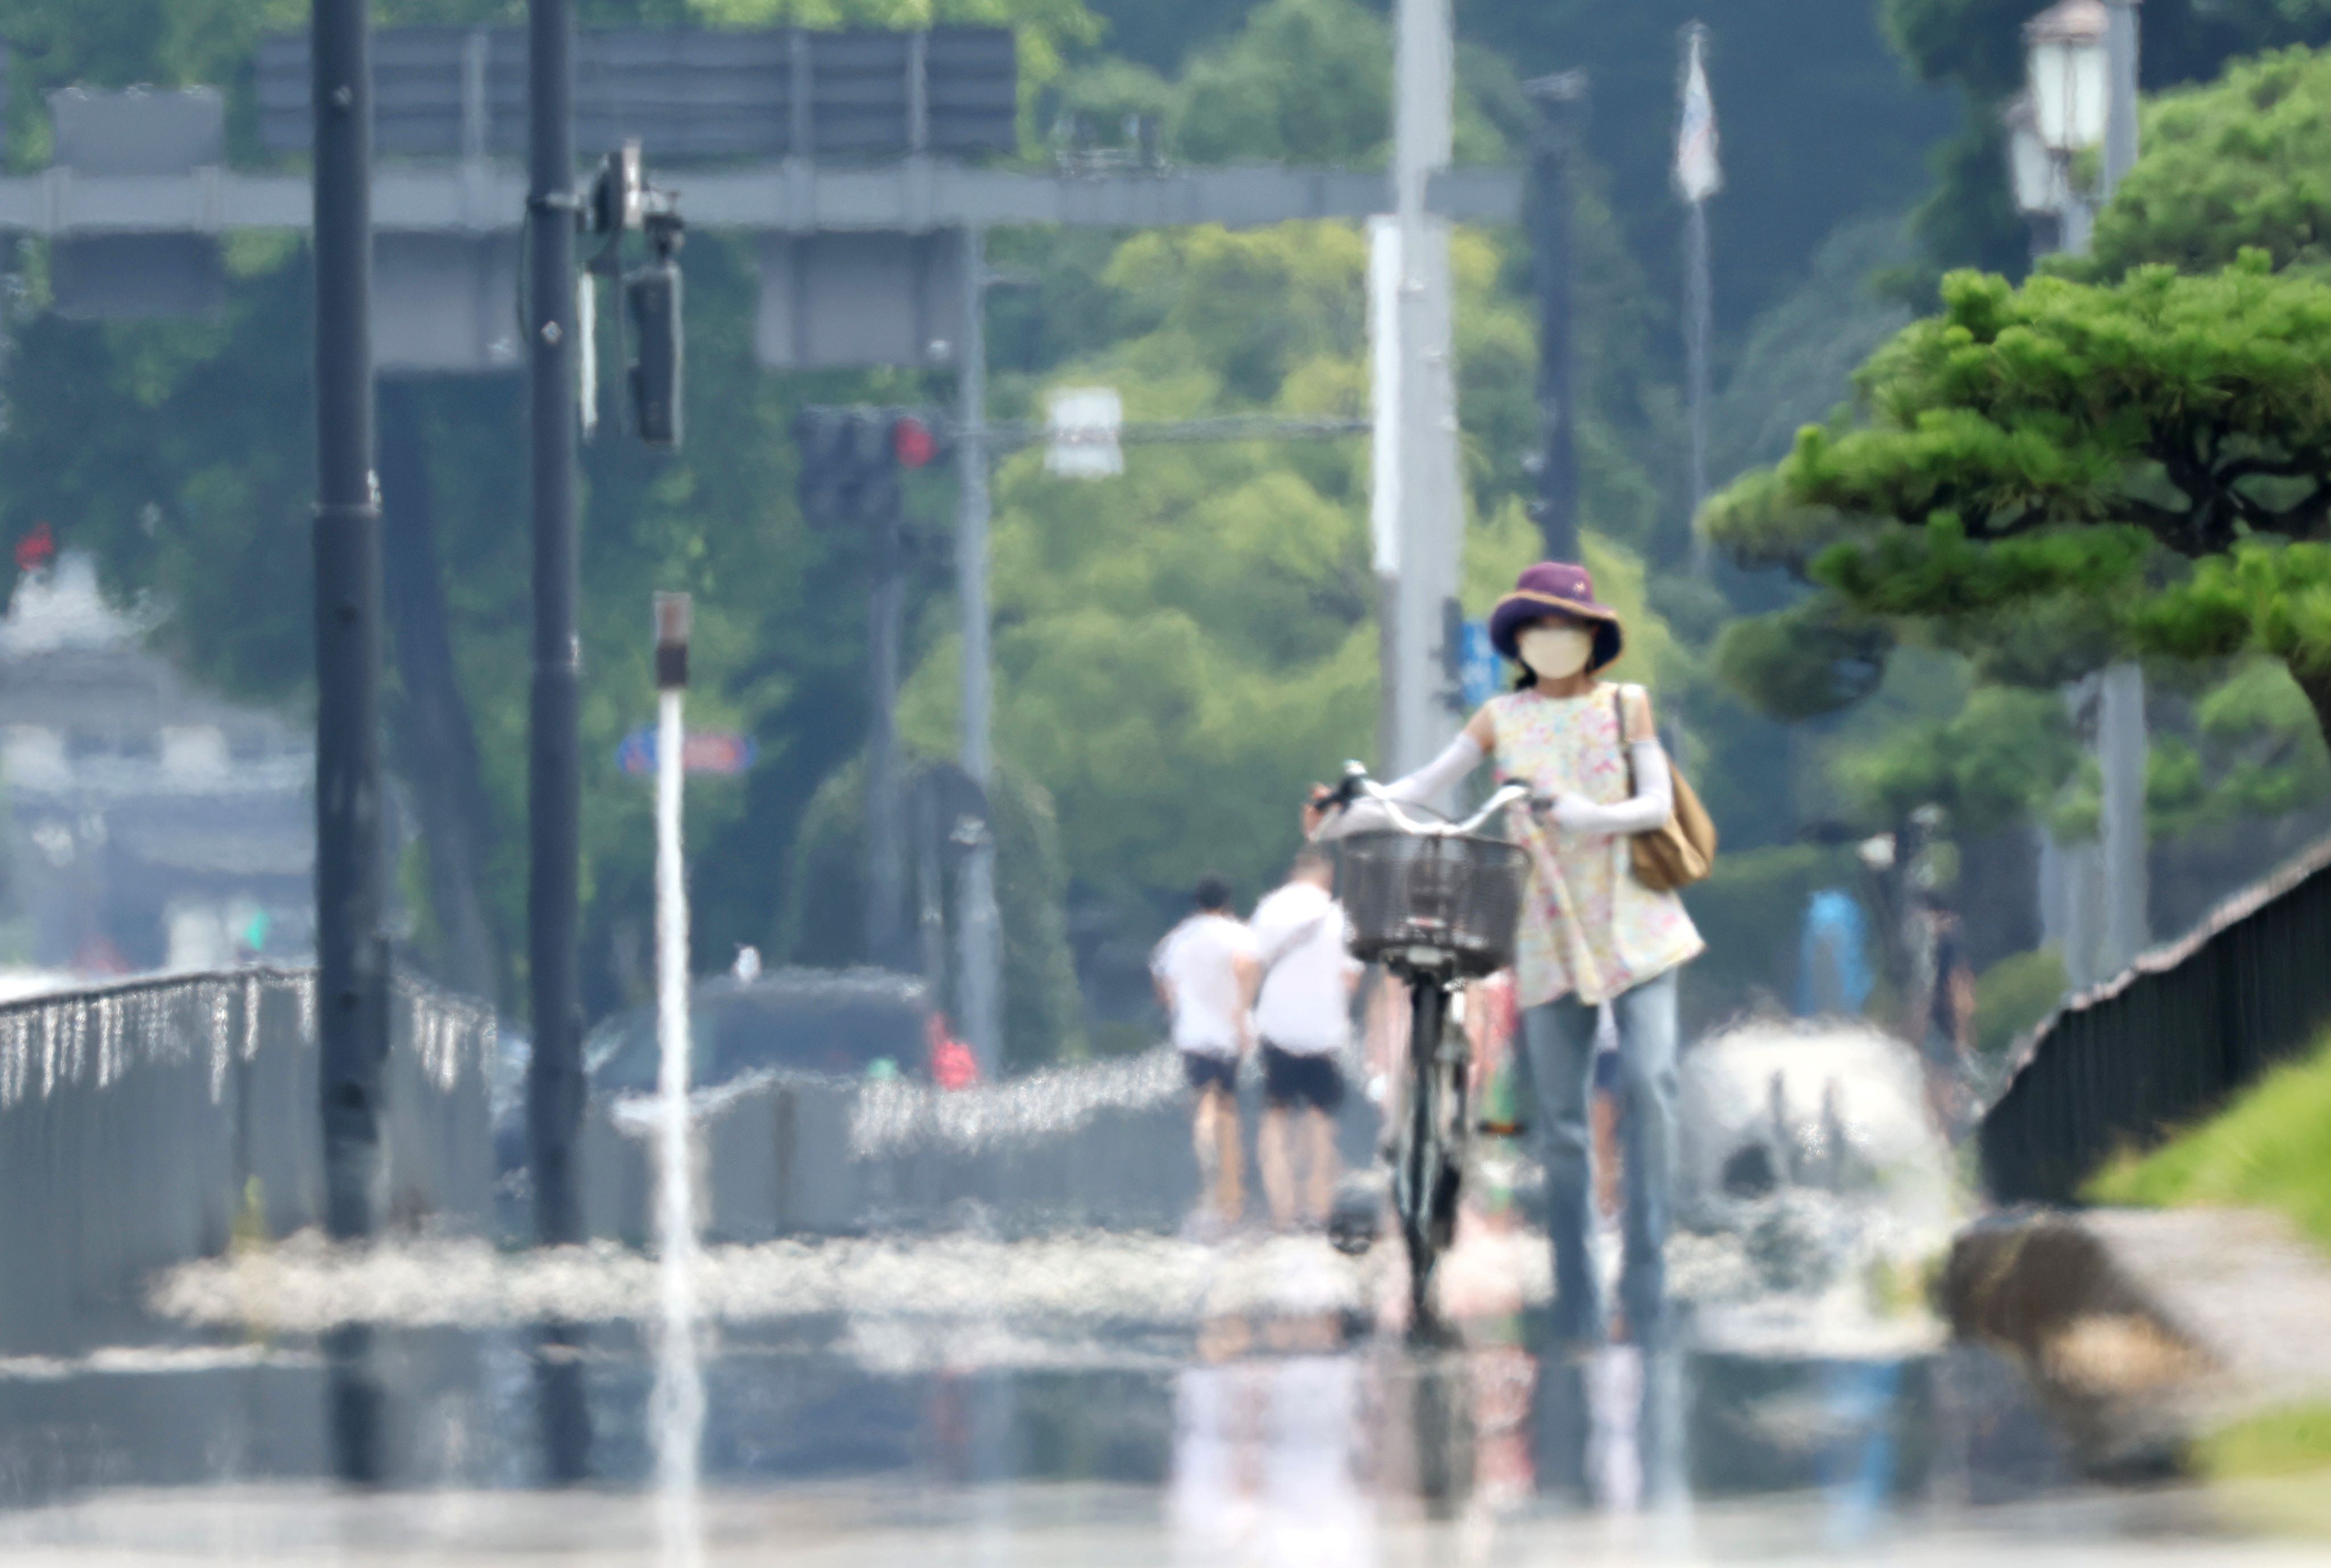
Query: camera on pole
{"points": [[621, 202]]}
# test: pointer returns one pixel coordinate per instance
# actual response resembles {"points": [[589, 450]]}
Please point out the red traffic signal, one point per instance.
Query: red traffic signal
{"points": [[912, 443]]}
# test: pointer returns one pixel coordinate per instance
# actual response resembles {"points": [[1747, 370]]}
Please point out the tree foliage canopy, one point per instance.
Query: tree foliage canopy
{"points": [[2196, 408], [2242, 163], [1977, 46], [2057, 446]]}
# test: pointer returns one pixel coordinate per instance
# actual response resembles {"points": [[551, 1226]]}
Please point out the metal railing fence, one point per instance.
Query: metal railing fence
{"points": [[153, 1121], [2128, 1064]]}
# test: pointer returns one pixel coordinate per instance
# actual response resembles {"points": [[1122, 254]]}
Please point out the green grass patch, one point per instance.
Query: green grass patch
{"points": [[2269, 1149], [2275, 1446], [2013, 995]]}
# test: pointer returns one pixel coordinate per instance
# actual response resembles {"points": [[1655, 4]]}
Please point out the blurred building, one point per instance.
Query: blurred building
{"points": [[147, 825]]}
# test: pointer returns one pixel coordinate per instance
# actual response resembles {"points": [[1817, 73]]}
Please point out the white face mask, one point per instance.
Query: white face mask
{"points": [[1556, 652]]}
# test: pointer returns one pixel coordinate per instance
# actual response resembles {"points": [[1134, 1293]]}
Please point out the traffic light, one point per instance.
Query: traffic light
{"points": [[652, 295], [851, 460], [622, 201]]}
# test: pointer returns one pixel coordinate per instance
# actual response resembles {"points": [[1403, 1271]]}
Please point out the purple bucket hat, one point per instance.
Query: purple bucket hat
{"points": [[1556, 587]]}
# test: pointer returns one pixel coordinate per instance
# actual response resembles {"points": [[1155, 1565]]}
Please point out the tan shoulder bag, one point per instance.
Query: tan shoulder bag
{"points": [[1679, 852]]}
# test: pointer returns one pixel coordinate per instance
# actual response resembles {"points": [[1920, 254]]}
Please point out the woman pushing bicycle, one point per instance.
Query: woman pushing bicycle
{"points": [[1590, 931]]}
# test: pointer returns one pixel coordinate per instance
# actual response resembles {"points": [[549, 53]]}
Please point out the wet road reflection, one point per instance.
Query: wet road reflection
{"points": [[998, 1397], [1292, 1430]]}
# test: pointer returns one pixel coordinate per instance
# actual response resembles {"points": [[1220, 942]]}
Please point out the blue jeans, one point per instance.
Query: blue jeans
{"points": [[1560, 1035]]}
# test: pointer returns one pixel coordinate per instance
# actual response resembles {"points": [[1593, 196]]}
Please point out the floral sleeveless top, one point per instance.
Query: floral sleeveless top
{"points": [[1588, 926]]}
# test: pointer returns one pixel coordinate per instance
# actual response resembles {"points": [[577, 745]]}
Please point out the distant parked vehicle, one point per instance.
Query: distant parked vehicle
{"points": [[833, 1023], [827, 1022]]}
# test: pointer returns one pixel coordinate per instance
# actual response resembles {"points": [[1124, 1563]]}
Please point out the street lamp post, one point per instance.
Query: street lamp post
{"points": [[2067, 73], [2080, 60], [2035, 177]]}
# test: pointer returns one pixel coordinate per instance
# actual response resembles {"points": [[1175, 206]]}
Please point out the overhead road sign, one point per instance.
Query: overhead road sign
{"points": [[1081, 432], [690, 94]]}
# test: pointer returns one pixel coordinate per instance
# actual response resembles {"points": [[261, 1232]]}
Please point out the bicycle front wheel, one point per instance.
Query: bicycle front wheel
{"points": [[1428, 1162]]}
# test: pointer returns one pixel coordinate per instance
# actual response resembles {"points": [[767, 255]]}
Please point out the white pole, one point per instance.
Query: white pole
{"points": [[1698, 328], [981, 996], [1384, 470], [678, 1398], [1430, 493]]}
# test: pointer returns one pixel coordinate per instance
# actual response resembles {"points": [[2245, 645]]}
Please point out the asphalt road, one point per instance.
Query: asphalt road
{"points": [[1112, 1399]]}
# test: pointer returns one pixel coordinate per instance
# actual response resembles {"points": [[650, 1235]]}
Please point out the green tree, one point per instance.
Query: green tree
{"points": [[1819, 126], [1309, 78], [1976, 46], [821, 919], [1180, 650], [2146, 462], [2226, 167], [180, 452], [2232, 166]]}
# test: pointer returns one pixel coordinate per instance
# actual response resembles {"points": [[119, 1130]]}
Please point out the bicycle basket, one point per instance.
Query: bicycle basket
{"points": [[1459, 896]]}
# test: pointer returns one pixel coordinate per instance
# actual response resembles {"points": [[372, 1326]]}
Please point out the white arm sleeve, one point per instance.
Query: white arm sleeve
{"points": [[1654, 802], [1439, 776], [1434, 779]]}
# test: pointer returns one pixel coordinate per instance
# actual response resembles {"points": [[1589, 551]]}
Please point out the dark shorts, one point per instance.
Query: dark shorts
{"points": [[1298, 1078], [1205, 1072]]}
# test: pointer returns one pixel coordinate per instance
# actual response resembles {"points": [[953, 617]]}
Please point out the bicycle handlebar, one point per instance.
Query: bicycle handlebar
{"points": [[1356, 784]]}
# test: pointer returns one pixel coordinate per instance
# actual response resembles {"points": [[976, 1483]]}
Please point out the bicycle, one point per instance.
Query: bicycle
{"points": [[1436, 904]]}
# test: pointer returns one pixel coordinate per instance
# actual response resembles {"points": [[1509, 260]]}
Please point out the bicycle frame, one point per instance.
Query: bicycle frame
{"points": [[1428, 1156]]}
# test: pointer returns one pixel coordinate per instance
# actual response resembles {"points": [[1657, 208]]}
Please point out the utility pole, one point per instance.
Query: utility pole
{"points": [[351, 954], [886, 886], [351, 960], [554, 1075], [1421, 702], [1555, 140], [982, 937]]}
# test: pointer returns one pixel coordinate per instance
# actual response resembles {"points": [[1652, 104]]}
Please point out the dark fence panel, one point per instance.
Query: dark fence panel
{"points": [[2126, 1065], [144, 1124]]}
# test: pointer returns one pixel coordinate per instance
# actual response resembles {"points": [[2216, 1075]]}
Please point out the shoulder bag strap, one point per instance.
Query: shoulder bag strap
{"points": [[1626, 752]]}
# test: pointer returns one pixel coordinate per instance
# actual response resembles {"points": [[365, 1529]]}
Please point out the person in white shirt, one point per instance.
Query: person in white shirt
{"points": [[1205, 972], [1304, 1019]]}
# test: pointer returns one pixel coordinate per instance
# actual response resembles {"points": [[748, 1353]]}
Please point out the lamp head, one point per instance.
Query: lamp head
{"points": [[2066, 70]]}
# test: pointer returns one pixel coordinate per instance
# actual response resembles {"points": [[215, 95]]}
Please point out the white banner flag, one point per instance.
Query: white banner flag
{"points": [[1696, 173]]}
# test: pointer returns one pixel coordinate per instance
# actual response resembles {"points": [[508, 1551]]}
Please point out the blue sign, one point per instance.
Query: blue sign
{"points": [[1480, 672], [706, 751]]}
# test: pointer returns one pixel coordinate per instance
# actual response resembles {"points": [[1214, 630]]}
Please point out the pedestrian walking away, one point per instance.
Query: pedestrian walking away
{"points": [[1205, 974], [1593, 930], [1303, 1021], [1943, 1020]]}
